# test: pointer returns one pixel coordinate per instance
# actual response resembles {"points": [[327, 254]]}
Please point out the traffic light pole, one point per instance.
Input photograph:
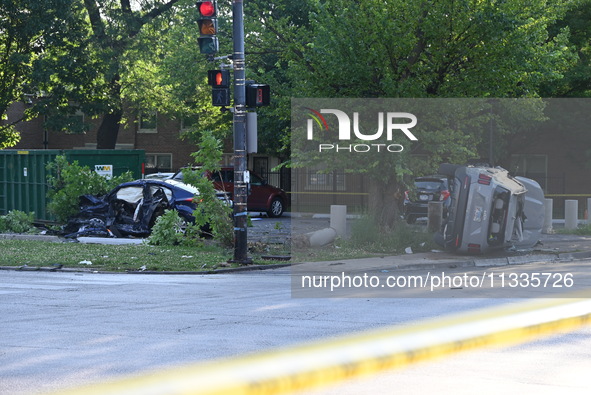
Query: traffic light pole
{"points": [[240, 186]]}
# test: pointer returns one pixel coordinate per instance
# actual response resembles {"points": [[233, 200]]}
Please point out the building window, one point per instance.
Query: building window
{"points": [[147, 122], [77, 117], [158, 163], [260, 165], [316, 180], [187, 122], [531, 166]]}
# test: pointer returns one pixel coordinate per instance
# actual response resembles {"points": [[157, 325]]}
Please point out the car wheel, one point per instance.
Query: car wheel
{"points": [[276, 208]]}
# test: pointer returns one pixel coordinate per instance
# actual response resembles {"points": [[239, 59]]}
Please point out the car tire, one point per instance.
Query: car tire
{"points": [[276, 208], [411, 219]]}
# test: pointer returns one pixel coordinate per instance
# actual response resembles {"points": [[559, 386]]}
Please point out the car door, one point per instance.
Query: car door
{"points": [[258, 195], [223, 180]]}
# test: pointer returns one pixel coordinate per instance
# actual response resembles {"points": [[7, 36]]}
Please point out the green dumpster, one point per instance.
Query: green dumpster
{"points": [[23, 174]]}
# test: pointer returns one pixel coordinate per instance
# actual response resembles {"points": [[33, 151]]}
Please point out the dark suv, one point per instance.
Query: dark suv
{"points": [[426, 189], [262, 196]]}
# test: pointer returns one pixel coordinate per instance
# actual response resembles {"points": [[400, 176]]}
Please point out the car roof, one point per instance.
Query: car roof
{"points": [[182, 185], [431, 178], [164, 183]]}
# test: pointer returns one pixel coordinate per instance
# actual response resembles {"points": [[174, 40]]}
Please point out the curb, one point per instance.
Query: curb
{"points": [[58, 269], [34, 237], [467, 263]]}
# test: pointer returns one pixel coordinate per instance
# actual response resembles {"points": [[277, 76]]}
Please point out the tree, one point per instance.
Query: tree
{"points": [[90, 73], [27, 29], [115, 27], [577, 77], [277, 33], [172, 77], [428, 49]]}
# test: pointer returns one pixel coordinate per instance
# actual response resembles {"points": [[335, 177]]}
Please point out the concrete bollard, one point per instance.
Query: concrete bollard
{"points": [[571, 214], [338, 219], [319, 238], [548, 207], [322, 237], [434, 216]]}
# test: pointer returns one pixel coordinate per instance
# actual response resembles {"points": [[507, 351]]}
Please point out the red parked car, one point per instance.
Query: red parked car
{"points": [[262, 196]]}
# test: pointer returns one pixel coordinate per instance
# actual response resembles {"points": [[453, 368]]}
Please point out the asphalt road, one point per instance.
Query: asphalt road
{"points": [[59, 330]]}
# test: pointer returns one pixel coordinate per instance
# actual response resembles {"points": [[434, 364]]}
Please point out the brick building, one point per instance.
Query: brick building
{"points": [[160, 137], [557, 155]]}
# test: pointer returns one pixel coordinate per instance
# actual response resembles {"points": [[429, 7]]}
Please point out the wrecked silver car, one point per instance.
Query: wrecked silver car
{"points": [[131, 208], [489, 210]]}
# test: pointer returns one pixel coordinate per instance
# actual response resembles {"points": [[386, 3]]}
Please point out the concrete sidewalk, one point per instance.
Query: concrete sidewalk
{"points": [[553, 248]]}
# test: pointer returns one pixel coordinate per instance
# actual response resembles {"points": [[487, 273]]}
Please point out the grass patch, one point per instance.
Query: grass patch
{"points": [[116, 258], [584, 230], [332, 253], [369, 240]]}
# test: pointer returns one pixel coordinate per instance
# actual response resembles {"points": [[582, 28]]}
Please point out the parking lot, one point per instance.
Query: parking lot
{"points": [[279, 230]]}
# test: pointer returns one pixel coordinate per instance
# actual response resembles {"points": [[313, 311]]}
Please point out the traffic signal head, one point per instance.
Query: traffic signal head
{"points": [[220, 83], [258, 95], [220, 97], [208, 26], [218, 78], [207, 9]]}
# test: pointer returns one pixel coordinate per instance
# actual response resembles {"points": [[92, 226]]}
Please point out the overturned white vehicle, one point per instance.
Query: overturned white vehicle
{"points": [[490, 209]]}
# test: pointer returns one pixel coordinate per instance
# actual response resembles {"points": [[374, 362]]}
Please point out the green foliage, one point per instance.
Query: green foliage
{"points": [[582, 230], [8, 136], [211, 212], [68, 181], [29, 29], [17, 222], [577, 77], [367, 235], [440, 49], [86, 55], [424, 49], [171, 230]]}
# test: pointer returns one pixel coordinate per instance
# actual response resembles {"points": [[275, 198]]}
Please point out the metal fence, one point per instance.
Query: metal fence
{"points": [[313, 191]]}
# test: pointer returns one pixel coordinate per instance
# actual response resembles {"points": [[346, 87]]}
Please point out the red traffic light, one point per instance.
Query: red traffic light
{"points": [[206, 8], [218, 78], [208, 26]]}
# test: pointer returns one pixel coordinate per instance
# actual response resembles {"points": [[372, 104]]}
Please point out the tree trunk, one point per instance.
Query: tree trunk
{"points": [[384, 198], [106, 137]]}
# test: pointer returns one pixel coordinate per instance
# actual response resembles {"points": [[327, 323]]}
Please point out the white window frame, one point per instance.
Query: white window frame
{"points": [[147, 130], [155, 155]]}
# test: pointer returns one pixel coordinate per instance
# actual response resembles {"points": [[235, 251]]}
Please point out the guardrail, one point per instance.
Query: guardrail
{"points": [[329, 361]]}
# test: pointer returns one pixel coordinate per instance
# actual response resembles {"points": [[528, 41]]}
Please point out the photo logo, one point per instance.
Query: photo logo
{"points": [[389, 122]]}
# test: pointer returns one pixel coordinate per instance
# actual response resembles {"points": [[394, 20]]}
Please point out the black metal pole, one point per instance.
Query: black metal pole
{"points": [[240, 187]]}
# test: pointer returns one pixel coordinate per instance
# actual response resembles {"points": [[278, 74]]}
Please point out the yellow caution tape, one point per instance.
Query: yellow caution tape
{"points": [[329, 361]]}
